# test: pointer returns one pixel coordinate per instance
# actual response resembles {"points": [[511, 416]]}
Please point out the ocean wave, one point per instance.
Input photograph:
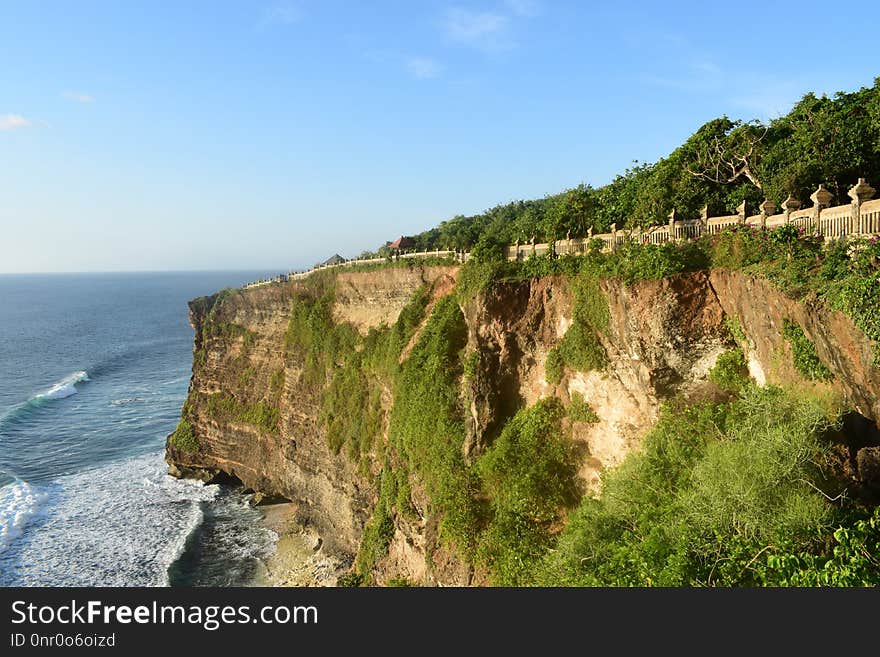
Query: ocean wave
{"points": [[65, 387], [60, 390], [20, 502], [122, 524], [179, 379]]}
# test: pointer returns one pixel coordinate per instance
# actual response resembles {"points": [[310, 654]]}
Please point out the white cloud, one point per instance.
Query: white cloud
{"points": [[769, 99], [423, 68], [527, 8], [78, 97], [282, 13], [480, 29], [14, 122]]}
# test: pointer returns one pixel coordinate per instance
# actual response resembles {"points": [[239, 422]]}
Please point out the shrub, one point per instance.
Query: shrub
{"points": [[259, 414], [713, 486], [380, 529], [580, 411], [529, 475], [803, 351], [736, 330], [184, 438], [554, 366], [730, 371], [580, 348], [426, 427]]}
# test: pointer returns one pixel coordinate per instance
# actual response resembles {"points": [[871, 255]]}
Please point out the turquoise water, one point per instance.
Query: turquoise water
{"points": [[94, 369]]}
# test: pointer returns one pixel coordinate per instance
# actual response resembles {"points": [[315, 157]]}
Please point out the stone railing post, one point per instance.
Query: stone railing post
{"points": [[516, 246], [704, 220], [533, 245], [859, 193], [741, 212], [821, 199], [789, 205], [767, 209], [567, 241], [614, 236], [673, 217]]}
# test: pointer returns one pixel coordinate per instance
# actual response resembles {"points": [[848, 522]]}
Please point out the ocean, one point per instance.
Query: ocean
{"points": [[94, 369]]}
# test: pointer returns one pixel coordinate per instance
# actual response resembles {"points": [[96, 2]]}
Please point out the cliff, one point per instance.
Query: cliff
{"points": [[258, 411]]}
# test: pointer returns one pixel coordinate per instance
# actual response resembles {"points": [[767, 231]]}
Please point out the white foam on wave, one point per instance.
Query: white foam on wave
{"points": [[19, 503], [65, 387], [180, 379], [122, 524]]}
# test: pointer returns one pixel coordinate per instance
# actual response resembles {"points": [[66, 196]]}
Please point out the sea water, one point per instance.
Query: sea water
{"points": [[94, 369]]}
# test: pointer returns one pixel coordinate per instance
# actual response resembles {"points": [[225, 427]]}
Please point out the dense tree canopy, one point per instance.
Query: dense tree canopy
{"points": [[830, 140]]}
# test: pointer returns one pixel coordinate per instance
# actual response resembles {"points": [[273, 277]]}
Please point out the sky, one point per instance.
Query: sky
{"points": [[271, 135]]}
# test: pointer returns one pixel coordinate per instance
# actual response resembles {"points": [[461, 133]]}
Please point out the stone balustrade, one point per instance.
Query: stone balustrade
{"points": [[859, 218]]}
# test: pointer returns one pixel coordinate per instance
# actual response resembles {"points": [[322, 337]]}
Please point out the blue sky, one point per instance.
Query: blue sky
{"points": [[247, 135]]}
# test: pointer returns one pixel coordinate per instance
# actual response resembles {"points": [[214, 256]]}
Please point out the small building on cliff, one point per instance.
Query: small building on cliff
{"points": [[402, 243]]}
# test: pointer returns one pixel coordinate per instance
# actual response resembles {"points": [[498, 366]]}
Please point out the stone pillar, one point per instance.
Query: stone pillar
{"points": [[767, 209], [704, 220], [673, 217], [516, 246], [789, 205], [859, 193], [568, 241], [821, 198], [614, 235], [741, 212], [533, 245]]}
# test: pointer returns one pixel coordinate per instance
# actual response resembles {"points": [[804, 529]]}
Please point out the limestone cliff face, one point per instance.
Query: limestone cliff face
{"points": [[662, 339], [247, 363]]}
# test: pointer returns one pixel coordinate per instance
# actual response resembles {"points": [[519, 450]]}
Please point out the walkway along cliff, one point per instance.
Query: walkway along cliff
{"points": [[348, 391]]}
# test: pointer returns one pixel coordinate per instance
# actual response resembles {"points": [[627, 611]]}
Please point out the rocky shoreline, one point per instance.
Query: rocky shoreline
{"points": [[299, 558]]}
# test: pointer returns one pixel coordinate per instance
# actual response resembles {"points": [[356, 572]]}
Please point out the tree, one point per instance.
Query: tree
{"points": [[727, 151], [573, 212]]}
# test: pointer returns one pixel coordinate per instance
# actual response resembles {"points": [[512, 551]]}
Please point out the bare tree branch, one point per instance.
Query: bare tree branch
{"points": [[726, 160]]}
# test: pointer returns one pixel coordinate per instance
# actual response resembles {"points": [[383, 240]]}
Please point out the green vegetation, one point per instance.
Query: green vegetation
{"points": [[830, 140], [736, 330], [380, 528], [580, 348], [351, 410], [348, 371], [843, 275], [730, 493], [731, 371], [803, 351], [722, 494], [259, 414], [580, 411], [184, 438], [313, 336], [276, 382], [427, 422], [726, 494], [529, 475]]}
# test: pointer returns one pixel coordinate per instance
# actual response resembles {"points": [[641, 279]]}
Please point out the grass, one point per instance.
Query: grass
{"points": [[222, 405], [580, 411], [580, 348], [426, 427], [714, 485], [184, 437], [718, 494], [843, 275], [529, 476], [730, 371], [803, 351]]}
